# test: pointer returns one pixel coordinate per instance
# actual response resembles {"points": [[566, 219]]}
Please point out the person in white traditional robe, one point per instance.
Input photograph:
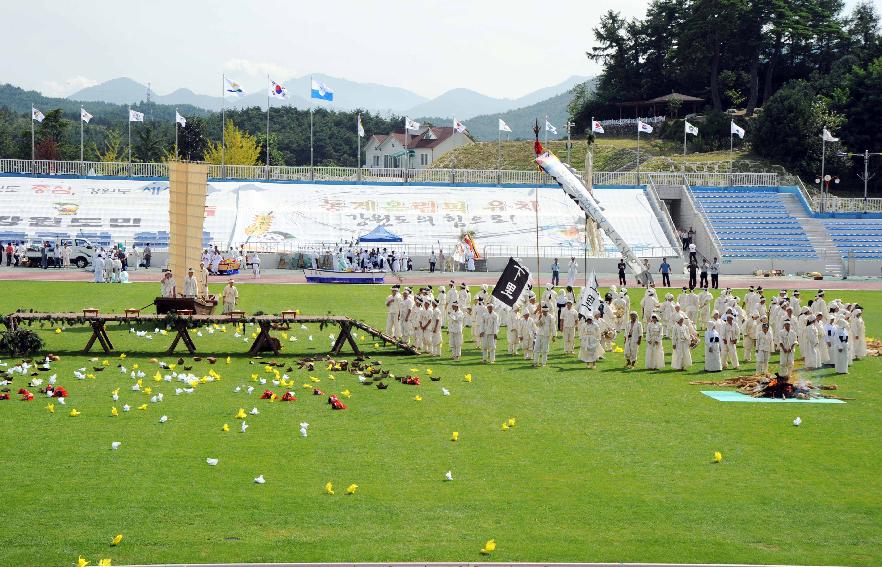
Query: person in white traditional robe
{"points": [[840, 347], [230, 297], [215, 262], [489, 334], [667, 315], [477, 320], [435, 330], [820, 305], [764, 345], [809, 344], [407, 315], [442, 303], [589, 340], [730, 335], [513, 328], [655, 352], [681, 357], [426, 317], [829, 336], [254, 260], [527, 333], [858, 334], [795, 301], [116, 269], [393, 311], [713, 361], [633, 338], [544, 331], [751, 328], [190, 284], [569, 318], [454, 330], [572, 271], [465, 303], [167, 285], [705, 303], [648, 304], [787, 341], [98, 266]]}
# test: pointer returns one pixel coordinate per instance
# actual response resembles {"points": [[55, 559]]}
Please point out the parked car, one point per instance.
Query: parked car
{"points": [[81, 250]]}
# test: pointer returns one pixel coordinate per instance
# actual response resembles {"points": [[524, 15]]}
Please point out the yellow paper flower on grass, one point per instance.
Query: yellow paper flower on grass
{"points": [[50, 408], [418, 398], [241, 414], [329, 488], [104, 562], [455, 436], [489, 547], [113, 411], [351, 489], [74, 412], [82, 562], [226, 427], [468, 377], [718, 457], [116, 539]]}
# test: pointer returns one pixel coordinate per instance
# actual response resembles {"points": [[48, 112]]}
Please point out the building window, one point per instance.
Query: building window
{"points": [[424, 159], [376, 161]]}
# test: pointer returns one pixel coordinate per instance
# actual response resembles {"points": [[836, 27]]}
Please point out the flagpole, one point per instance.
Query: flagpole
{"points": [[358, 138], [223, 125], [311, 150], [267, 125], [81, 136], [33, 141], [684, 138], [536, 214], [130, 141], [638, 152], [823, 160], [546, 132], [499, 168], [731, 143]]}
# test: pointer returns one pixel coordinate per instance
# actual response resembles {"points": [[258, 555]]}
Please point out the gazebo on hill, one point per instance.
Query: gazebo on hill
{"points": [[671, 101]]}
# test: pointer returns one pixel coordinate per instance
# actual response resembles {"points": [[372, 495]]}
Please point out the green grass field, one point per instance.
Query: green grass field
{"points": [[601, 466]]}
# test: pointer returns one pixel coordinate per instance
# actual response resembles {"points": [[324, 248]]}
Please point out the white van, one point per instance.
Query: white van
{"points": [[81, 250]]}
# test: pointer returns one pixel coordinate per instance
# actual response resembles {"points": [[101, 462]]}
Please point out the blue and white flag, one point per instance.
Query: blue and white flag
{"points": [[321, 91], [233, 88]]}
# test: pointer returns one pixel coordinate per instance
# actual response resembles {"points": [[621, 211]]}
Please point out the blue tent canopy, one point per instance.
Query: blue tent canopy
{"points": [[380, 234]]}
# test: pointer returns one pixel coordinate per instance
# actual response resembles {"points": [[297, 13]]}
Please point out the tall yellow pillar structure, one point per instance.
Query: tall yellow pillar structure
{"points": [[188, 187]]}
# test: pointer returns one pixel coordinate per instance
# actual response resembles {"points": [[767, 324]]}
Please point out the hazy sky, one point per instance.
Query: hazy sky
{"points": [[503, 48]]}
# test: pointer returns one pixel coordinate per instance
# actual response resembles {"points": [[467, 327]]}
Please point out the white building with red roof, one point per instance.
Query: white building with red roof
{"points": [[423, 147]]}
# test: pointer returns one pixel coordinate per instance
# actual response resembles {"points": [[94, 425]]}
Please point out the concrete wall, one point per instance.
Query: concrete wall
{"points": [[684, 215]]}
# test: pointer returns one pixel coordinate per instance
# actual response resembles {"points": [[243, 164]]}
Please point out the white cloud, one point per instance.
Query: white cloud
{"points": [[259, 68], [66, 88]]}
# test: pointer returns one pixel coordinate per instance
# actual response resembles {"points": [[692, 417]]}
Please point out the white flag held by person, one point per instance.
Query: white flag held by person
{"points": [[549, 127], [360, 127], [596, 126], [690, 129], [135, 116], [589, 299], [36, 115], [737, 130], [85, 116], [458, 126], [180, 119], [828, 137], [411, 124], [503, 127], [644, 127]]}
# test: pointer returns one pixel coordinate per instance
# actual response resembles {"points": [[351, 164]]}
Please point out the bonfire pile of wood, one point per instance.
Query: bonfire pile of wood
{"points": [[773, 386]]}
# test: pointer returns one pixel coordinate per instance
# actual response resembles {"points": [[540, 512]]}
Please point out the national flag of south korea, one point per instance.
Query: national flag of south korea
{"points": [[135, 116], [644, 127], [360, 127], [277, 90], [180, 120], [85, 116], [411, 124], [549, 127], [36, 115], [828, 137], [458, 126], [690, 129], [503, 127], [597, 127], [737, 130]]}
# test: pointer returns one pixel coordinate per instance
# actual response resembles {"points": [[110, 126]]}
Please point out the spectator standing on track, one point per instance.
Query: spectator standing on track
{"points": [[9, 252], [432, 261], [555, 273], [702, 282], [621, 268], [683, 238], [665, 270], [693, 252], [147, 254], [693, 267], [715, 273]]}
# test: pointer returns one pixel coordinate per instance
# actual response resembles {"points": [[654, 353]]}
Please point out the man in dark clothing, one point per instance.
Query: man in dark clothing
{"points": [[44, 256], [622, 267], [715, 273], [693, 268], [702, 282], [147, 254]]}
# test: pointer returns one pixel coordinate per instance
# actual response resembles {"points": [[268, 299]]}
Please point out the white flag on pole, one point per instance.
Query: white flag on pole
{"points": [[458, 126], [36, 115], [135, 116], [233, 88], [549, 127], [411, 124], [85, 116], [690, 129], [596, 126], [360, 127], [180, 119], [644, 127], [503, 127], [737, 130], [828, 137], [589, 299]]}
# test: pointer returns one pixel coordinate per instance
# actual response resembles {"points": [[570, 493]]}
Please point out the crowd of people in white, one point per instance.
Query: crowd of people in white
{"points": [[749, 329]]}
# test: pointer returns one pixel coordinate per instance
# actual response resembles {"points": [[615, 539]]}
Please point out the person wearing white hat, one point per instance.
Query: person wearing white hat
{"points": [[648, 304], [442, 303], [633, 338], [549, 298], [478, 312], [764, 345], [858, 333], [489, 333], [730, 334], [407, 315], [393, 311], [823, 345], [620, 310], [681, 358], [655, 352], [454, 330], [569, 318], [513, 325], [840, 347], [705, 302], [190, 284], [527, 333], [465, 303], [750, 330], [667, 315], [787, 342], [544, 331], [712, 349], [572, 270], [795, 301], [820, 305], [809, 343], [589, 341], [435, 329]]}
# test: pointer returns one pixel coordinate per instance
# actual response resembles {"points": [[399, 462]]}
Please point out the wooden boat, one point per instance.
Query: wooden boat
{"points": [[198, 305], [330, 276]]}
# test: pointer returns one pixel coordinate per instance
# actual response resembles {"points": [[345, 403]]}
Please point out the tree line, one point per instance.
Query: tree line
{"points": [[791, 67]]}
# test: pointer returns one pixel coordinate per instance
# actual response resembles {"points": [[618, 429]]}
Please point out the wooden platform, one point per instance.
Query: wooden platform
{"points": [[182, 325]]}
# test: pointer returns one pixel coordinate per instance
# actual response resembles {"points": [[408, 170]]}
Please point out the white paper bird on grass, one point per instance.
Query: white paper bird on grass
{"points": [[448, 475], [127, 407], [797, 421], [61, 401], [445, 391], [309, 337], [260, 480], [250, 389], [237, 389], [303, 432], [163, 419], [211, 461], [115, 445], [302, 327], [254, 411], [244, 426]]}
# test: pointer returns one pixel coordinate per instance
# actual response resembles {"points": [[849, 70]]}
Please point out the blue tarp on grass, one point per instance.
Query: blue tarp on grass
{"points": [[730, 396]]}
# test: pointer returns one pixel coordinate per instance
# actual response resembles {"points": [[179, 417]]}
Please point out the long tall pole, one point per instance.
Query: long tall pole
{"points": [[223, 125], [536, 214], [866, 176], [130, 139], [546, 131], [638, 152], [499, 158], [731, 143], [585, 247], [358, 136], [81, 135], [684, 138], [823, 181], [33, 139], [311, 154], [570, 139], [267, 125]]}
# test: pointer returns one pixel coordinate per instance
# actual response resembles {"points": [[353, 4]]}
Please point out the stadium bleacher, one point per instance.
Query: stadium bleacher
{"points": [[753, 223], [860, 239]]}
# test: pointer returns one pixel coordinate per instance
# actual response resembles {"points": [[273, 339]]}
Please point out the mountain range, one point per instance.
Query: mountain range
{"points": [[349, 95]]}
